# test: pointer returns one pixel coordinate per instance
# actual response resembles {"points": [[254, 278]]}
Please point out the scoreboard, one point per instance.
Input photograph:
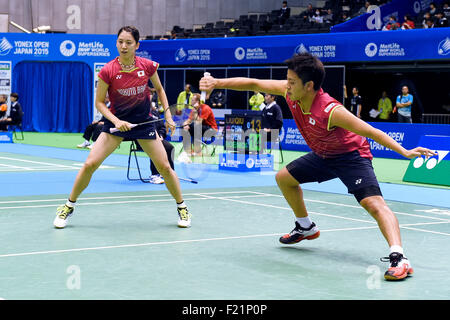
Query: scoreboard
{"points": [[241, 132]]}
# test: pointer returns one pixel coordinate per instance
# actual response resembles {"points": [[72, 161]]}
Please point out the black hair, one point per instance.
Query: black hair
{"points": [[15, 95], [308, 68], [133, 30]]}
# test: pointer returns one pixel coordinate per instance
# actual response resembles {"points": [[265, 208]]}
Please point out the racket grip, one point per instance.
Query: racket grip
{"points": [[203, 94], [112, 130]]}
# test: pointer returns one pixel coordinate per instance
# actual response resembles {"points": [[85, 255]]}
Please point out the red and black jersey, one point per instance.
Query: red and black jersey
{"points": [[128, 90]]}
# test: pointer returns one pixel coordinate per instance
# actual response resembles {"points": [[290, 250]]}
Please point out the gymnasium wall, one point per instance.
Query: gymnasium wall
{"points": [[152, 17]]}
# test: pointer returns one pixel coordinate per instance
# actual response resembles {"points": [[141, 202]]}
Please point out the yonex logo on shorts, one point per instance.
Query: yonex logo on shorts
{"points": [[358, 181]]}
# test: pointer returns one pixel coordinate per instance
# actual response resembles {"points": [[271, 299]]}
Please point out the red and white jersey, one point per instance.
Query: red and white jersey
{"points": [[315, 128], [128, 90]]}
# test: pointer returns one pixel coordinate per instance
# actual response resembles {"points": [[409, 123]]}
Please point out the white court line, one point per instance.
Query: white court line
{"points": [[9, 165], [346, 218], [288, 209], [205, 197], [38, 169], [124, 197], [114, 202], [38, 162], [148, 244], [357, 207], [163, 243]]}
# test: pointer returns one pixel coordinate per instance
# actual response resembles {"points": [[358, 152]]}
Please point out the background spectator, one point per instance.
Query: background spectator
{"points": [[184, 99], [432, 8], [317, 17], [217, 99], [441, 20], [308, 13], [408, 23], [392, 24], [446, 10], [94, 129], [404, 105], [256, 100], [3, 106], [15, 113], [426, 17], [356, 103], [429, 23], [285, 13], [328, 18], [384, 107], [272, 117], [344, 17]]}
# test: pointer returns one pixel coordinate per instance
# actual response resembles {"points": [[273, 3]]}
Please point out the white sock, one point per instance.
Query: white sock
{"points": [[70, 203], [181, 204], [304, 222], [396, 248]]}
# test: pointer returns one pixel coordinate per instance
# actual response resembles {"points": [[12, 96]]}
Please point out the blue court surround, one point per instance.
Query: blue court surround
{"points": [[114, 180]]}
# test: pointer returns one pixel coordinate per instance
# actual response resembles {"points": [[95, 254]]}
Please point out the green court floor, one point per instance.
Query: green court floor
{"points": [[128, 246]]}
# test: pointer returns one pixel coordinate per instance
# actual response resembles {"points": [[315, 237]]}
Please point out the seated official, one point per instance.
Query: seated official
{"points": [[201, 120], [272, 117], [15, 115], [156, 177], [94, 129]]}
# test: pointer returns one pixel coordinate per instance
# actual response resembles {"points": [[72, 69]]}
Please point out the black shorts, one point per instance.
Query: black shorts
{"points": [[192, 129], [145, 131], [353, 170]]}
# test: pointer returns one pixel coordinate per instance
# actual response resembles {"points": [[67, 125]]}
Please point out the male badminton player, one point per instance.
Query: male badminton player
{"points": [[125, 80], [339, 147]]}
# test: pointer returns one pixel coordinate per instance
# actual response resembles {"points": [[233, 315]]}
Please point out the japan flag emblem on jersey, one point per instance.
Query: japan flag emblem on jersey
{"points": [[141, 73], [312, 121]]}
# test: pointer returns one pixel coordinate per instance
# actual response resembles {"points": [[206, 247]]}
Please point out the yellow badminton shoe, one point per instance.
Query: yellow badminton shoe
{"points": [[62, 214], [184, 220]]}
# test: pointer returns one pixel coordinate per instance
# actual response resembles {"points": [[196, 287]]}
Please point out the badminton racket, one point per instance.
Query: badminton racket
{"points": [[180, 113]]}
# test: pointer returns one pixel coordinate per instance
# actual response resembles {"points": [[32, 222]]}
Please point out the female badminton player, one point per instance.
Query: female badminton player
{"points": [[339, 147], [125, 81]]}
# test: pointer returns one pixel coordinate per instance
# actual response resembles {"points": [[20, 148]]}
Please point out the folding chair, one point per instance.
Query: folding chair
{"points": [[15, 128], [134, 148]]}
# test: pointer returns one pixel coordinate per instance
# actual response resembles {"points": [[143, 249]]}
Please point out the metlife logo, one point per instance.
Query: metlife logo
{"points": [[393, 49], [250, 54], [67, 48]]}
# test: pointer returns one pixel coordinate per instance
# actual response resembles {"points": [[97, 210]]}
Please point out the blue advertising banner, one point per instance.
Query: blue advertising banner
{"points": [[245, 162], [408, 135], [6, 137], [57, 47], [377, 17], [17, 50], [401, 45]]}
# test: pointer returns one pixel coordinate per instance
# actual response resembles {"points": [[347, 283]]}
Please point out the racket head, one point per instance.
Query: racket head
{"points": [[196, 170]]}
